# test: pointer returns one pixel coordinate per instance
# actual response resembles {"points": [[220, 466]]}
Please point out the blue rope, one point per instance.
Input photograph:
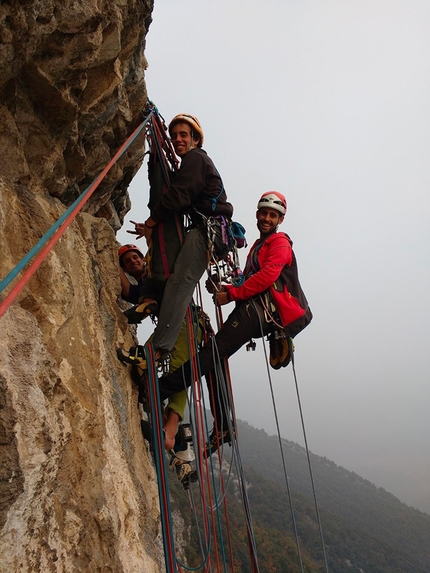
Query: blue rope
{"points": [[195, 319], [160, 464], [43, 240]]}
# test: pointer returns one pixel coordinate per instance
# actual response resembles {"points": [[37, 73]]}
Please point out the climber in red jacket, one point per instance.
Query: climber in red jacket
{"points": [[263, 305]]}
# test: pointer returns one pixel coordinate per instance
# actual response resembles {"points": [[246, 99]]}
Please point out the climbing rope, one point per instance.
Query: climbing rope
{"points": [[283, 457], [311, 473], [284, 465], [211, 513], [226, 397], [52, 236], [210, 542], [160, 460], [162, 150], [222, 381]]}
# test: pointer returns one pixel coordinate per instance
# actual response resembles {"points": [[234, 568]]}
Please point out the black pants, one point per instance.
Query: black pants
{"points": [[245, 322]]}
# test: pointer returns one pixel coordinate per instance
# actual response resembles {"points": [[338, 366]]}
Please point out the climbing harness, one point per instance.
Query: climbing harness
{"points": [[224, 238]]}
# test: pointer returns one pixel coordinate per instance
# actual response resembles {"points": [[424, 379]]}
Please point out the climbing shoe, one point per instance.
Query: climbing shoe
{"points": [[280, 351], [135, 356], [137, 313], [216, 439], [183, 471]]}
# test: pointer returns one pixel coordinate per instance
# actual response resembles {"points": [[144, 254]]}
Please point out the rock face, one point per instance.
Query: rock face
{"points": [[71, 90], [77, 487]]}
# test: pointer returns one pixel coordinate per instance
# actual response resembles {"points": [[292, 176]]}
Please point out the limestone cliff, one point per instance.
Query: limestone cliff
{"points": [[77, 488]]}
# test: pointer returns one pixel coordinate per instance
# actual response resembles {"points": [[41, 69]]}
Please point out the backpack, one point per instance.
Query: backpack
{"points": [[226, 236], [280, 341]]}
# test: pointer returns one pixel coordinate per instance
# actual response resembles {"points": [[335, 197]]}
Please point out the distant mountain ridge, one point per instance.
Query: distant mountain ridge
{"points": [[362, 524], [365, 528]]}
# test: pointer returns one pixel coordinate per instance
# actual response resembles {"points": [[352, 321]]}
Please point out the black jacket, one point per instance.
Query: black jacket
{"points": [[196, 184]]}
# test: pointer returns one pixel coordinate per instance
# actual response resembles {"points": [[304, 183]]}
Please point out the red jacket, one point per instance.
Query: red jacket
{"points": [[273, 255]]}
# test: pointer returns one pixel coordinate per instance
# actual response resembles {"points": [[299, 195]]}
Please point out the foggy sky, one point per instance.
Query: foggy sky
{"points": [[327, 102]]}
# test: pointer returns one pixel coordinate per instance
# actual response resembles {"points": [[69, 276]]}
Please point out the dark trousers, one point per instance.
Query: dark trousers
{"points": [[245, 322]]}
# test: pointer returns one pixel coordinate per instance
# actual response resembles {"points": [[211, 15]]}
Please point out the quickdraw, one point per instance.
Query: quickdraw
{"points": [[222, 248]]}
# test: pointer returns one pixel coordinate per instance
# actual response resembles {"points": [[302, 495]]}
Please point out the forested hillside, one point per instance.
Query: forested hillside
{"points": [[346, 495], [364, 527]]}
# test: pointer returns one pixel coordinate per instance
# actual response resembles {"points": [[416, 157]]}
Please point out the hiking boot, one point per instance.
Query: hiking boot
{"points": [[137, 313], [216, 439]]}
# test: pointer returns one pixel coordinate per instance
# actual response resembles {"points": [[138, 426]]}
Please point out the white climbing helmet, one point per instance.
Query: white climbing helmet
{"points": [[273, 200]]}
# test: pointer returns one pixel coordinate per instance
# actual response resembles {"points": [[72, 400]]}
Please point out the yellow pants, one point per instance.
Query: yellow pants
{"points": [[178, 356]]}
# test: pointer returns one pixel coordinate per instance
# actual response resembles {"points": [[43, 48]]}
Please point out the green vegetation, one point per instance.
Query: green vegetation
{"points": [[364, 527]]}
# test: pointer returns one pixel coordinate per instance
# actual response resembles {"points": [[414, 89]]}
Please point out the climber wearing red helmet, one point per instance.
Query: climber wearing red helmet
{"points": [[132, 262], [264, 303], [197, 190]]}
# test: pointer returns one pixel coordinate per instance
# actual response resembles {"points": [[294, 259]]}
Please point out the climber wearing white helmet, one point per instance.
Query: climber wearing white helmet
{"points": [[264, 303], [196, 189]]}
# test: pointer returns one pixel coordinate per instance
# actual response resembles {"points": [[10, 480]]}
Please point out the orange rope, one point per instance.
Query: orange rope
{"points": [[4, 305]]}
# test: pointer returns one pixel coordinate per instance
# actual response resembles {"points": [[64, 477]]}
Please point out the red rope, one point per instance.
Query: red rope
{"points": [[227, 521], [206, 487], [4, 305], [169, 552], [200, 426], [254, 563]]}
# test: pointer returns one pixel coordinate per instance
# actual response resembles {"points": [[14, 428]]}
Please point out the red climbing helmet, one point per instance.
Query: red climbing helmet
{"points": [[273, 200], [192, 121], [126, 248]]}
